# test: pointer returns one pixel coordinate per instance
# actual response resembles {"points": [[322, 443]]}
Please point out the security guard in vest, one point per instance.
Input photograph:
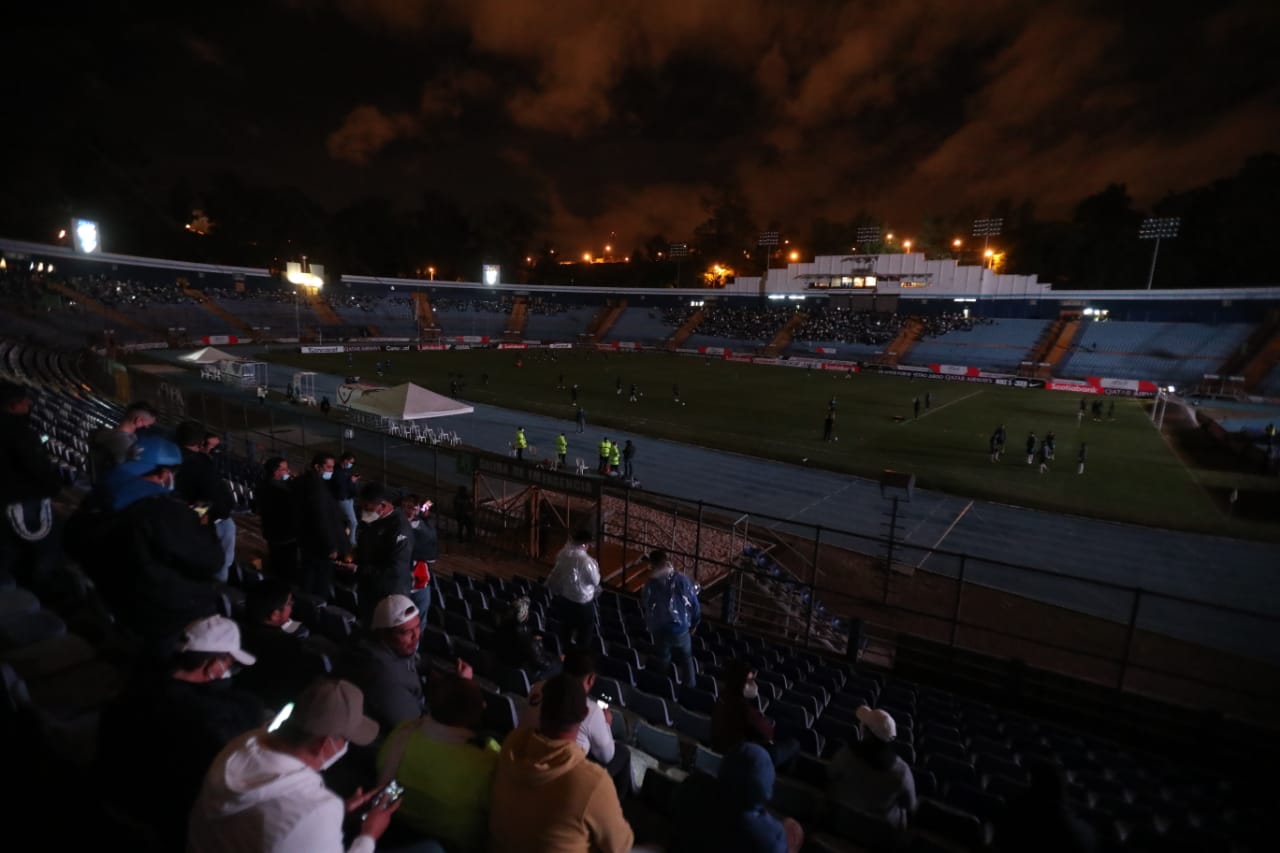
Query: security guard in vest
{"points": [[521, 443], [615, 457], [562, 449], [604, 455]]}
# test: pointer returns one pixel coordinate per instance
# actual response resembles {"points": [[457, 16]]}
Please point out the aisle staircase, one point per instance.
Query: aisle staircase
{"points": [[1054, 343], [1259, 354], [519, 319], [214, 308], [603, 321], [782, 339], [322, 309], [426, 316], [686, 329], [908, 337]]}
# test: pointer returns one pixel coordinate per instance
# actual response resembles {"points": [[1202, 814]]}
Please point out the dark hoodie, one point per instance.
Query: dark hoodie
{"points": [[729, 813]]}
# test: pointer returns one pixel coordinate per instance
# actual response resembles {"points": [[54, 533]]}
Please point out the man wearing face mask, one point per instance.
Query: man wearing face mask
{"points": [[322, 537], [344, 484], [194, 710], [265, 793], [200, 484], [109, 447], [274, 504], [155, 558], [384, 550], [426, 548]]}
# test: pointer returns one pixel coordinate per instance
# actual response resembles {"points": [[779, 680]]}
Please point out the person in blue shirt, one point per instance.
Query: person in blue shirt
{"points": [[671, 613]]}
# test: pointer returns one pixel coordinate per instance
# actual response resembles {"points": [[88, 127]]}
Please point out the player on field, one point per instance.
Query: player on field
{"points": [[829, 426], [928, 400], [635, 393], [1050, 445], [1082, 456], [618, 387], [1031, 447], [998, 439], [1045, 456], [915, 407]]}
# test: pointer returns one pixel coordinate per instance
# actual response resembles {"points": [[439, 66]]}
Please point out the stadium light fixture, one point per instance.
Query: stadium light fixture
{"points": [[986, 229], [1158, 228], [868, 234], [87, 237], [492, 273], [678, 251]]}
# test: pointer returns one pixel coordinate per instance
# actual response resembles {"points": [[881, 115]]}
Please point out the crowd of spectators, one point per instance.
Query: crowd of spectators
{"points": [[937, 325], [748, 323], [852, 327], [454, 304]]}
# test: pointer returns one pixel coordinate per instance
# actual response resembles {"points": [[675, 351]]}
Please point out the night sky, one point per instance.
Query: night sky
{"points": [[622, 116]]}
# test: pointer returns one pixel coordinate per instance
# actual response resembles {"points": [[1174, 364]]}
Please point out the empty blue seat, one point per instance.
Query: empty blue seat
{"points": [[692, 724], [706, 760], [656, 683], [650, 707], [696, 699], [662, 745], [614, 668]]}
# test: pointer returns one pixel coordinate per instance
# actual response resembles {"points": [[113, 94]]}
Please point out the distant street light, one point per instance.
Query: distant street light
{"points": [[957, 243], [906, 245], [1158, 229], [793, 256], [431, 271]]}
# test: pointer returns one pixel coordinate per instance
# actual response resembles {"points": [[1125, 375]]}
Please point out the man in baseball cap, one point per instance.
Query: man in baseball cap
{"points": [[384, 662], [264, 791], [215, 635]]}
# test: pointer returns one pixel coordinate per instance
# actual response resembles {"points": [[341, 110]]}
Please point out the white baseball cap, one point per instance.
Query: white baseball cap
{"points": [[215, 634], [878, 722], [394, 611]]}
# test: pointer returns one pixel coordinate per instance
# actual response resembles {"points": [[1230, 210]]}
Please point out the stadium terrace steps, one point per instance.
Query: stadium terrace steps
{"points": [[117, 317], [323, 310], [907, 338], [212, 307], [1258, 356], [783, 337], [687, 328], [519, 319], [1056, 342], [426, 316], [604, 319]]}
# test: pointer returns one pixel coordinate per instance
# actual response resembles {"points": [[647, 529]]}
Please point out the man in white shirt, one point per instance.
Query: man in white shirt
{"points": [[575, 585], [595, 735], [264, 791]]}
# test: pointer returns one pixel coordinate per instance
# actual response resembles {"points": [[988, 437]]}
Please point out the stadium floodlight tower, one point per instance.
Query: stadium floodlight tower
{"points": [[1158, 228], [768, 241], [303, 274], [986, 229], [868, 234], [679, 251]]}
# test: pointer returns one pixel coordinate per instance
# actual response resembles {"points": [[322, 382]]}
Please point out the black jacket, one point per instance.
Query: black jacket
{"points": [[26, 474], [198, 481], [384, 553], [342, 486], [426, 541], [318, 519], [275, 508], [155, 566]]}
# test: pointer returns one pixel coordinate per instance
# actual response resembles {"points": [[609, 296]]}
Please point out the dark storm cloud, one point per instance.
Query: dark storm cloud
{"points": [[907, 108]]}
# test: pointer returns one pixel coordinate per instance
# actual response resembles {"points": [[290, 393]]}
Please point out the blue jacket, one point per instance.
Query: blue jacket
{"points": [[729, 813], [670, 605]]}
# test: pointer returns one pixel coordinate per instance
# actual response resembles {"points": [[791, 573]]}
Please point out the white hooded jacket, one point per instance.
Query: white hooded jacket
{"points": [[257, 799], [576, 575]]}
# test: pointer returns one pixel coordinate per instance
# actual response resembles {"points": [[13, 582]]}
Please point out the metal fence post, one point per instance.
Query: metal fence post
{"points": [[955, 613], [697, 544], [626, 532], [1128, 640]]}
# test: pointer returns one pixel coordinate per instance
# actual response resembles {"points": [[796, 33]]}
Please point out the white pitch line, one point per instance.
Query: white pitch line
{"points": [[945, 534], [910, 421]]}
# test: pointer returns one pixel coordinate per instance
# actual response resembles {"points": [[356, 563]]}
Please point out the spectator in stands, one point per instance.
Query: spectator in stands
{"points": [[1042, 818], [517, 647], [671, 613], [384, 550], [464, 515], [264, 792], [321, 536], [575, 584], [546, 794], [109, 447], [156, 741], [384, 662], [426, 548], [152, 556], [343, 484], [283, 646], [736, 717], [595, 735], [445, 766], [275, 509], [731, 812], [199, 484], [868, 775], [29, 545]]}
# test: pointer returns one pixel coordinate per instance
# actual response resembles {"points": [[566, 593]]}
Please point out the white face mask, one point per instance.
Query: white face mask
{"points": [[333, 759], [414, 524], [750, 690], [369, 516], [326, 475]]}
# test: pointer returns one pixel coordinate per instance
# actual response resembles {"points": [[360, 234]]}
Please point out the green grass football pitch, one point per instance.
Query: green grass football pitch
{"points": [[1132, 474]]}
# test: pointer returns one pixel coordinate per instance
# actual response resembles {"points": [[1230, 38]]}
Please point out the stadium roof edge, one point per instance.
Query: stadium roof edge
{"points": [[44, 250]]}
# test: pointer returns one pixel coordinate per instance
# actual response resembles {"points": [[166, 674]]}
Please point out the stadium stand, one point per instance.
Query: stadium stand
{"points": [[972, 757], [1177, 353], [462, 316], [641, 324], [996, 345], [557, 320]]}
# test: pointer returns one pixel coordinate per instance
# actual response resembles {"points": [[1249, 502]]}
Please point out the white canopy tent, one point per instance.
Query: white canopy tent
{"points": [[407, 402], [208, 355]]}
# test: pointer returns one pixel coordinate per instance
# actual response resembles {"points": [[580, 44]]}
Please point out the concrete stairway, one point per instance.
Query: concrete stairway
{"points": [[782, 339], [686, 329], [215, 309], [518, 321]]}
